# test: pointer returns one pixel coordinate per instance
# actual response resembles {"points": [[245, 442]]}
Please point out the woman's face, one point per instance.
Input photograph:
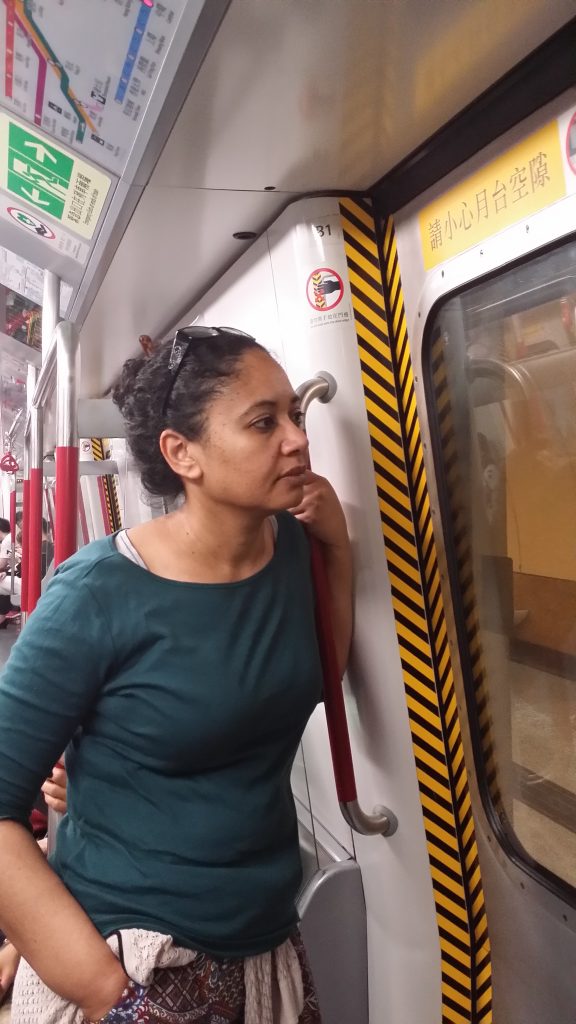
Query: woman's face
{"points": [[253, 453]]}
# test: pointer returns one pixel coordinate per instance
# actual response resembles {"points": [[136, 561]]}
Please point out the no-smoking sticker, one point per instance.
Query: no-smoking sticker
{"points": [[324, 289], [26, 220]]}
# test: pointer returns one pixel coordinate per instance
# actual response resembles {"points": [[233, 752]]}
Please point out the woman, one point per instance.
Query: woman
{"points": [[181, 672]]}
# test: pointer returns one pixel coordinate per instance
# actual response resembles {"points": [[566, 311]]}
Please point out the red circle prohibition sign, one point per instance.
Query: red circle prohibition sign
{"points": [[329, 274]]}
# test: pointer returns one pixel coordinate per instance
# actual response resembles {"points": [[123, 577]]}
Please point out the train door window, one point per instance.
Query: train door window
{"points": [[501, 387]]}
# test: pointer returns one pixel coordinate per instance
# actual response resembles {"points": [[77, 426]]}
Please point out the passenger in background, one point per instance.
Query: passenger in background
{"points": [[10, 583], [179, 661], [5, 542], [11, 586], [47, 548], [5, 554]]}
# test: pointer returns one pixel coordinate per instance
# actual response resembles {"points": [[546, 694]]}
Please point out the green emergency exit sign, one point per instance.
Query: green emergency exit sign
{"points": [[49, 179], [37, 172]]}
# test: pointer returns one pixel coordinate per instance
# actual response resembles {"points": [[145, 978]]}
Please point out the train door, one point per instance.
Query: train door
{"points": [[485, 279]]}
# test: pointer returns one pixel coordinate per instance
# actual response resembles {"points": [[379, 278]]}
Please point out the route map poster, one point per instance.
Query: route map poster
{"points": [[83, 71]]}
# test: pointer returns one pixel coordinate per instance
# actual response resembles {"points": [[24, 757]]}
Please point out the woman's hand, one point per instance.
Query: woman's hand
{"points": [[321, 511], [54, 789]]}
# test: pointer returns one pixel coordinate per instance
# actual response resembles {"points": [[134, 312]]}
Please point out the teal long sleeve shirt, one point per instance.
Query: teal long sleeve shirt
{"points": [[181, 706]]}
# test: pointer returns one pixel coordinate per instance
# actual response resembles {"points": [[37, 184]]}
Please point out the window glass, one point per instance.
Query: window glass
{"points": [[503, 384]]}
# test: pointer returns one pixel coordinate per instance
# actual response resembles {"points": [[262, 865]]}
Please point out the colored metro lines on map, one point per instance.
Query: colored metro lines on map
{"points": [[133, 50], [21, 11], [83, 72]]}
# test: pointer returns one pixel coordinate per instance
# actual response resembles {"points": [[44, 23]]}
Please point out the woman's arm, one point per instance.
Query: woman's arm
{"points": [[47, 689], [322, 513], [95, 1004], [51, 931]]}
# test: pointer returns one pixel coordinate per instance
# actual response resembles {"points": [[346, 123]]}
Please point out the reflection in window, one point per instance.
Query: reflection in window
{"points": [[503, 359]]}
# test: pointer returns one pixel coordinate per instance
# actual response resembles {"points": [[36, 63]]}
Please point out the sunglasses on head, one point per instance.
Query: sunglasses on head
{"points": [[183, 339]]}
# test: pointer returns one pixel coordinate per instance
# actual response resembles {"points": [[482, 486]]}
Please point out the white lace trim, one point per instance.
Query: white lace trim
{"points": [[273, 981]]}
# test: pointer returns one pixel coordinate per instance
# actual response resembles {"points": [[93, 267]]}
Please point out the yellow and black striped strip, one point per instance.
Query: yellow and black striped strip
{"points": [[109, 486], [419, 614], [461, 533]]}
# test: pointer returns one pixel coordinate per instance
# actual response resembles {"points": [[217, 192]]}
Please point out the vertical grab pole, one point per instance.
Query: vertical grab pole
{"points": [[382, 821], [32, 537], [67, 477], [35, 499], [25, 537], [13, 508], [50, 310], [67, 453], [25, 563]]}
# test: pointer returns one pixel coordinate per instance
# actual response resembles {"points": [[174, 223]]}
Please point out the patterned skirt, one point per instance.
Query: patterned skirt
{"points": [[186, 987]]}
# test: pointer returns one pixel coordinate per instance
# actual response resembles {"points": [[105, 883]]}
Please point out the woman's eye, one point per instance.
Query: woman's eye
{"points": [[264, 423], [298, 418]]}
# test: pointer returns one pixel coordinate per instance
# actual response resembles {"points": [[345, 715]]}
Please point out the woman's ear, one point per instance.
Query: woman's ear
{"points": [[180, 454]]}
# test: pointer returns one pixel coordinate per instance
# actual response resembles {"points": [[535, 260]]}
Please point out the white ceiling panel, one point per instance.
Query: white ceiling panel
{"points": [[303, 95], [176, 245], [333, 93]]}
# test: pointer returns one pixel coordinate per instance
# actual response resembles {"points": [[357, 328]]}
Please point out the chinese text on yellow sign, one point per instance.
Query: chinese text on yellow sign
{"points": [[525, 179]]}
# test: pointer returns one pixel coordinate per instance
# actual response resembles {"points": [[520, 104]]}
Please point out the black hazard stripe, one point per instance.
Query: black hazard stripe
{"points": [[109, 487], [419, 615]]}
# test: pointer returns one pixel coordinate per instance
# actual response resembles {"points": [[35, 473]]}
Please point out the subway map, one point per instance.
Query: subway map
{"points": [[83, 71]]}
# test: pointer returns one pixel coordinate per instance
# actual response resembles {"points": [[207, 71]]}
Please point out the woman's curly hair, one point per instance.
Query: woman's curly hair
{"points": [[141, 390]]}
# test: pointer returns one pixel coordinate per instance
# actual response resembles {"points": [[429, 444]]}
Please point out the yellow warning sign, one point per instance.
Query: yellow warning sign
{"points": [[522, 181]]}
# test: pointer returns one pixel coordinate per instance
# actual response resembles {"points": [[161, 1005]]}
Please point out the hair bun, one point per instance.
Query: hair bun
{"points": [[123, 390]]}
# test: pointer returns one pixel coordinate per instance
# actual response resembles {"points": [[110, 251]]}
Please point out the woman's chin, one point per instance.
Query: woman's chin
{"points": [[292, 492]]}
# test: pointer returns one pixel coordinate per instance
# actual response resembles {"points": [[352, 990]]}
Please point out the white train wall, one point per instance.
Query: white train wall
{"points": [[278, 292]]}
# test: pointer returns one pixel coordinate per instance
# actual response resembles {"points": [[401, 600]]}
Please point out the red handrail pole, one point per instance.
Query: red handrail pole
{"points": [[25, 540], [34, 548], [382, 821], [34, 584], [13, 509], [66, 537], [333, 695], [67, 451]]}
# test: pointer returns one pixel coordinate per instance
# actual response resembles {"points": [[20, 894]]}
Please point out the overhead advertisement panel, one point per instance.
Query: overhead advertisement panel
{"points": [[84, 72], [26, 278]]}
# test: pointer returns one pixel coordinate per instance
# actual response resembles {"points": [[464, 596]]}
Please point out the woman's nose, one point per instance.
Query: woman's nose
{"points": [[295, 439]]}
